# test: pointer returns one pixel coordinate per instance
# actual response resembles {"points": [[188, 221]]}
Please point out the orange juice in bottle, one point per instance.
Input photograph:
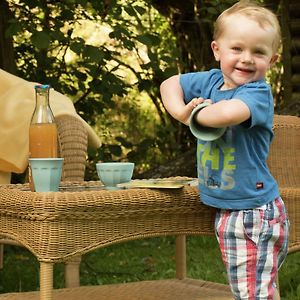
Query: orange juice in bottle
{"points": [[43, 140], [42, 130]]}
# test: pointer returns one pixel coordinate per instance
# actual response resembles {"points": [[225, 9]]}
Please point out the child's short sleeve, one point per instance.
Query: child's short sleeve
{"points": [[258, 97], [199, 84]]}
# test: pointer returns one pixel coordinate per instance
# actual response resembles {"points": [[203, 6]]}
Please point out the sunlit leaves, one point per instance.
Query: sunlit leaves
{"points": [[40, 39], [133, 10], [93, 53], [140, 149], [77, 46], [141, 10], [124, 142], [33, 3], [149, 39], [130, 10], [108, 153], [115, 150], [58, 42], [144, 85], [67, 14]]}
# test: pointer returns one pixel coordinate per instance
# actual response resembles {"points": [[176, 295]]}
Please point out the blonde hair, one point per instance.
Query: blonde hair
{"points": [[263, 16]]}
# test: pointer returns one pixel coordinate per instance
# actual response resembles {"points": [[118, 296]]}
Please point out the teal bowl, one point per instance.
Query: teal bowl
{"points": [[113, 173]]}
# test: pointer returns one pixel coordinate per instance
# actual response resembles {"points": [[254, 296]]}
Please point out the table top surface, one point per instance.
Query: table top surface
{"points": [[79, 186], [83, 216]]}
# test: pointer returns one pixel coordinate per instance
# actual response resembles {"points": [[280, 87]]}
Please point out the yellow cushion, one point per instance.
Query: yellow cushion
{"points": [[17, 102]]}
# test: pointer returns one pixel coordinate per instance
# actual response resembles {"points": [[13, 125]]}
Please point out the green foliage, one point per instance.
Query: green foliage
{"points": [[289, 281], [210, 10], [109, 58], [146, 259]]}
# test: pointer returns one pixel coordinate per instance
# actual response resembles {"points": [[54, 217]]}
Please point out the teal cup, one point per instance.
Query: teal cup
{"points": [[113, 173], [46, 173], [201, 132]]}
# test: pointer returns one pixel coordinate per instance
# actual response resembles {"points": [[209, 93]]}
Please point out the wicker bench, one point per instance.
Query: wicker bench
{"points": [[133, 214]]}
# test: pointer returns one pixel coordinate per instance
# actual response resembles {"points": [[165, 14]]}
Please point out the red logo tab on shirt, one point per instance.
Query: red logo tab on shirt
{"points": [[259, 185]]}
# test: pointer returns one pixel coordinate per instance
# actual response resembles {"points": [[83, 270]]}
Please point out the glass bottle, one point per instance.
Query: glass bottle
{"points": [[42, 130]]}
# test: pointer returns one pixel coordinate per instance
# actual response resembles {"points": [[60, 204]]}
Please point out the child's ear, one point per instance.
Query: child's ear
{"points": [[215, 49], [274, 58]]}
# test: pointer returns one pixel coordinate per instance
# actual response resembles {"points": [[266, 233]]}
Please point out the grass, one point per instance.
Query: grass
{"points": [[137, 260]]}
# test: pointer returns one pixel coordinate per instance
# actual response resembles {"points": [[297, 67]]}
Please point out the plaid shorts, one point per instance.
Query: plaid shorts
{"points": [[254, 244]]}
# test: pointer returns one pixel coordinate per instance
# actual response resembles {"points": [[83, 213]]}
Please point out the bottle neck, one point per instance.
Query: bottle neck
{"points": [[42, 112], [42, 97]]}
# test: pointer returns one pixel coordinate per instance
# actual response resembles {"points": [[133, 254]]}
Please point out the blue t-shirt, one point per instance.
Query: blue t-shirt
{"points": [[232, 170]]}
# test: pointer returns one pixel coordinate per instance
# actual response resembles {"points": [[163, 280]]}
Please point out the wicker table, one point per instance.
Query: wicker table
{"points": [[58, 226]]}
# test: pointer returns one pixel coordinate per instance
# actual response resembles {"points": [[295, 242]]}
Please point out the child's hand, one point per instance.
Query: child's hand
{"points": [[191, 105], [196, 101]]}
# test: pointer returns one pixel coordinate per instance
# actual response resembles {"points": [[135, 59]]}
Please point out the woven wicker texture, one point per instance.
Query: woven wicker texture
{"points": [[73, 147], [284, 156], [284, 163], [73, 143], [187, 289], [291, 197], [81, 221], [59, 226]]}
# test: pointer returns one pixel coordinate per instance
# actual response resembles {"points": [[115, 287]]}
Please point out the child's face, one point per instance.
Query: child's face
{"points": [[244, 50]]}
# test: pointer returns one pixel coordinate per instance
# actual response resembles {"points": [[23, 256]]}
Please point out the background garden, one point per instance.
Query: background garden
{"points": [[110, 57]]}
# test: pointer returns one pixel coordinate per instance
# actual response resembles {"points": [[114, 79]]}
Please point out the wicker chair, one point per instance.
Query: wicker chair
{"points": [[284, 162], [73, 140]]}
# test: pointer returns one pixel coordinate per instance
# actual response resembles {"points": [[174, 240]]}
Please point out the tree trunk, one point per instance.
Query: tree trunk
{"points": [[193, 34], [7, 61]]}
